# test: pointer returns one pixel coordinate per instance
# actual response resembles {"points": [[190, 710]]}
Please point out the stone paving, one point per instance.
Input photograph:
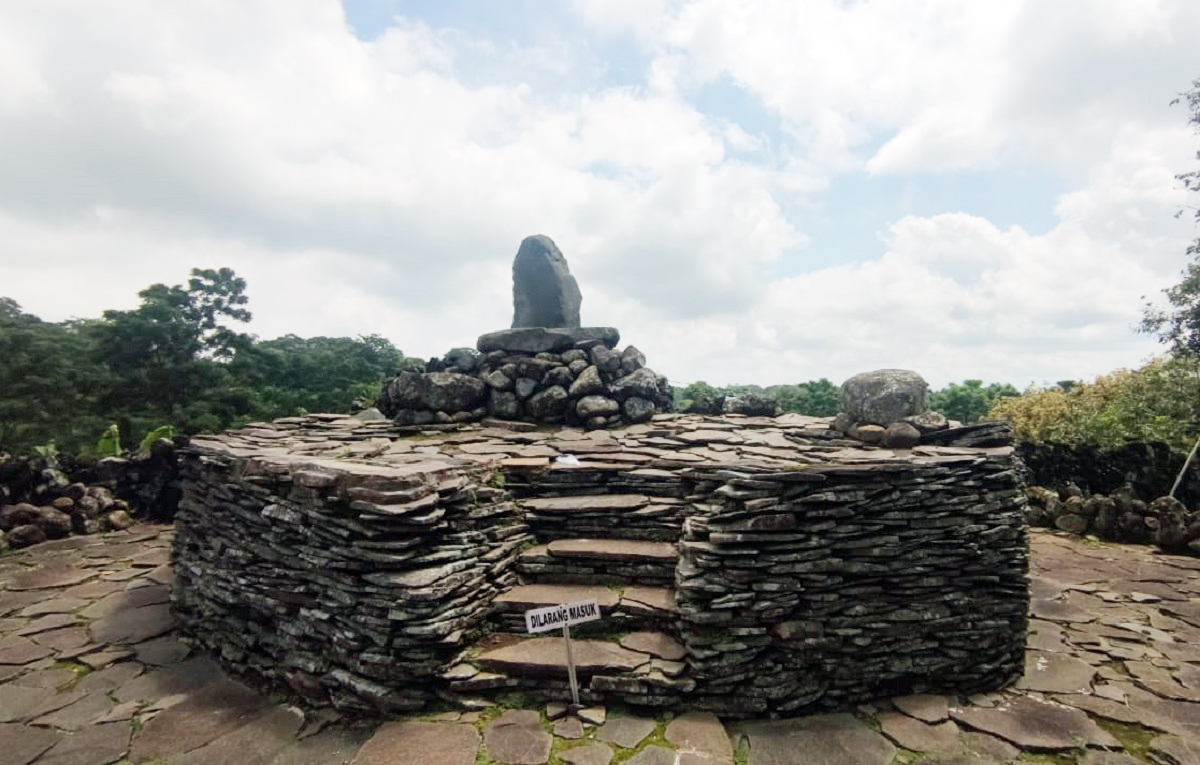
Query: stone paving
{"points": [[92, 672]]}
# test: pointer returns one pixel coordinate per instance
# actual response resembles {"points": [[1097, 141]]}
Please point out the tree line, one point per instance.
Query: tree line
{"points": [[178, 360]]}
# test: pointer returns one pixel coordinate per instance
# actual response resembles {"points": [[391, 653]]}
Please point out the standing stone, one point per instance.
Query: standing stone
{"points": [[544, 292], [884, 396]]}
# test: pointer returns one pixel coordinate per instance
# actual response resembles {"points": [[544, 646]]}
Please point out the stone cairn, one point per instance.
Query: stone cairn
{"points": [[890, 407], [546, 369]]}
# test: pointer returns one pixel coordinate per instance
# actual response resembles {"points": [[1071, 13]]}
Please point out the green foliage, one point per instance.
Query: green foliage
{"points": [[816, 398], [1178, 326], [162, 431], [109, 444], [1158, 402], [970, 401], [175, 359]]}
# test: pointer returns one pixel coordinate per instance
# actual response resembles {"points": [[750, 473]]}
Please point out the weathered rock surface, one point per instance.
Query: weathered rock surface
{"points": [[516, 738], [544, 292], [426, 743], [884, 396], [824, 740]]}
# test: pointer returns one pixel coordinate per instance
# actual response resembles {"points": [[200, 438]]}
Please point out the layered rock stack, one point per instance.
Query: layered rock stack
{"points": [[830, 585], [546, 369], [1165, 522], [348, 583]]}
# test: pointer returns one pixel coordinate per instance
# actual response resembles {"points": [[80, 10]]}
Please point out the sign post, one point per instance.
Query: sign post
{"points": [[564, 615]]}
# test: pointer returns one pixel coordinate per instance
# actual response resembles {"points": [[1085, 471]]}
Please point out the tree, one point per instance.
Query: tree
{"points": [[169, 355], [1179, 325], [970, 401], [815, 398]]}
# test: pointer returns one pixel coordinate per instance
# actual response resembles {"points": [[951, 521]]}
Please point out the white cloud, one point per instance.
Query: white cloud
{"points": [[368, 187]]}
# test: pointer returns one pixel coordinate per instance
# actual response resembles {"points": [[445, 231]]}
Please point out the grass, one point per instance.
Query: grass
{"points": [[1135, 738]]}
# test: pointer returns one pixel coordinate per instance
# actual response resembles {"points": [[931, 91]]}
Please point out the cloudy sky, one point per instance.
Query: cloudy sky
{"points": [[769, 191]]}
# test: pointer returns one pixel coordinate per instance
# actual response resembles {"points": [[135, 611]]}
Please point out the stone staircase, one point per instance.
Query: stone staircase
{"points": [[619, 549]]}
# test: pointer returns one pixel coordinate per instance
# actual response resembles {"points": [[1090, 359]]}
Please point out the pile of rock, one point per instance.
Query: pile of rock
{"points": [[829, 585], [546, 369], [70, 509], [1117, 517], [348, 583], [888, 407], [571, 376]]}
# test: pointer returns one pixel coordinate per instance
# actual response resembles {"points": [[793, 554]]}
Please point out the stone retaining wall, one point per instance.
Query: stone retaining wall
{"points": [[833, 585], [1148, 469], [348, 583], [351, 562]]}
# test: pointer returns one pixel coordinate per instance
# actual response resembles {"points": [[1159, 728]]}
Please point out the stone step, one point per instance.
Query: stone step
{"points": [[629, 608], [599, 561], [632, 671], [623, 516]]}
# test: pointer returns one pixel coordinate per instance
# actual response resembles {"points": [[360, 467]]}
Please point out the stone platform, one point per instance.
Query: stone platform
{"points": [[1111, 662], [753, 565]]}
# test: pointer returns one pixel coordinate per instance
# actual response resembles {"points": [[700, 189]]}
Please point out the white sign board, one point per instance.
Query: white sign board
{"points": [[562, 615]]}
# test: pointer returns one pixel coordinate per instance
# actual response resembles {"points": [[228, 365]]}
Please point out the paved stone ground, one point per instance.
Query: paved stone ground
{"points": [[92, 673]]}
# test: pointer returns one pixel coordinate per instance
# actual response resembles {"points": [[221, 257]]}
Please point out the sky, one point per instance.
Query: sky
{"points": [[751, 192]]}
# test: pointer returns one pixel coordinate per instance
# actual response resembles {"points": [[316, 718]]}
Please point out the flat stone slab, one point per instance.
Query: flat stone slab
{"points": [[704, 735], [626, 732], [23, 743], [1032, 724], [590, 503], [657, 644], [1176, 750], [134, 626], [614, 549], [220, 708], [543, 339], [653, 755], [911, 733], [50, 578], [548, 656], [568, 728], [263, 740], [422, 742], [592, 754], [516, 738], [649, 598], [538, 595], [838, 739], [18, 702], [93, 745], [1056, 673], [925, 707], [21, 650]]}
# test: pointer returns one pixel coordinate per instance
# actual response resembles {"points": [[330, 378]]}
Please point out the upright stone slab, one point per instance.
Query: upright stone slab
{"points": [[544, 292]]}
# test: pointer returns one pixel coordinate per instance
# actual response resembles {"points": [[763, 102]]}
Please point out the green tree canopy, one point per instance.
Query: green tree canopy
{"points": [[1178, 325]]}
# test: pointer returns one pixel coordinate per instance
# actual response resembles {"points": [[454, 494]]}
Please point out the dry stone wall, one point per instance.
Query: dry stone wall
{"points": [[836, 584], [346, 583], [352, 562]]}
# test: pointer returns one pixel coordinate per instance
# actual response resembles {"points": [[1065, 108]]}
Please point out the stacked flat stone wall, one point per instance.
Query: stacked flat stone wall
{"points": [[832, 585], [348, 583], [353, 562]]}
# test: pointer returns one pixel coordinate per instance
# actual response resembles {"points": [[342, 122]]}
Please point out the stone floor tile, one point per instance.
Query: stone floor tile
{"points": [[925, 707], [568, 728], [910, 733], [93, 745], [591, 754], [626, 732], [1056, 673], [23, 743], [19, 703], [653, 755], [258, 742], [702, 733], [21, 650], [78, 714], [837, 739], [516, 738], [421, 742], [1032, 724], [162, 651], [220, 708]]}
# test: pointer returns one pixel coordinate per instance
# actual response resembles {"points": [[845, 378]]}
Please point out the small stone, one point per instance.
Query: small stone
{"points": [[925, 707], [901, 435], [555, 710], [593, 715], [869, 434], [596, 406]]}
